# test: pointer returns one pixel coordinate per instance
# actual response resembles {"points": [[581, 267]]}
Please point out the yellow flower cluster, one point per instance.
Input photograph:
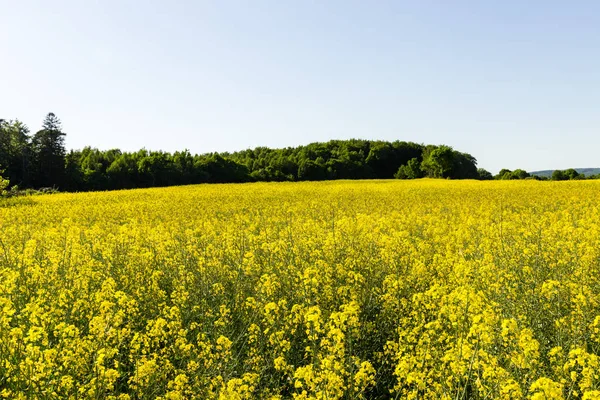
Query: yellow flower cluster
{"points": [[425, 289]]}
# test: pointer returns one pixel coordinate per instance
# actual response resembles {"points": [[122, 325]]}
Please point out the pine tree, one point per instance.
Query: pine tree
{"points": [[49, 154]]}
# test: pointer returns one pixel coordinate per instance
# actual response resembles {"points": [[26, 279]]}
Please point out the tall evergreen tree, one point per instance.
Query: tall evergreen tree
{"points": [[49, 153]]}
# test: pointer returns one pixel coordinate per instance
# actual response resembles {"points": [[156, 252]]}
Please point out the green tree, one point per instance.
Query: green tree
{"points": [[3, 185], [504, 174], [558, 175], [464, 166], [15, 151], [507, 174], [218, 169], [382, 160], [123, 172], [183, 167], [484, 175], [310, 170], [572, 174], [73, 172], [49, 153], [519, 174], [412, 170], [438, 161], [155, 169]]}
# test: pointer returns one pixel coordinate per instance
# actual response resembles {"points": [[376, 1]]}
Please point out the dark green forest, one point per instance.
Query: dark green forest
{"points": [[40, 160]]}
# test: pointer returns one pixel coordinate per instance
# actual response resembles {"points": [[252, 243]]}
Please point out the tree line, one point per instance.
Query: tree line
{"points": [[557, 175], [42, 161]]}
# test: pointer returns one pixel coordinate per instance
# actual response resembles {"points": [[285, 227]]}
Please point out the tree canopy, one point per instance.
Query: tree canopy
{"points": [[41, 160]]}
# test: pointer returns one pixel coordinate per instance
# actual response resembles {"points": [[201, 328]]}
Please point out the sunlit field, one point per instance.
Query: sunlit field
{"points": [[426, 289]]}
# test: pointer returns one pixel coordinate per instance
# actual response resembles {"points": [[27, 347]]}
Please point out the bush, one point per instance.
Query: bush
{"points": [[3, 186]]}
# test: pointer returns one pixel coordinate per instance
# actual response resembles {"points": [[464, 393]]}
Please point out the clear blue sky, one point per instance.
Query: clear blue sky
{"points": [[515, 83]]}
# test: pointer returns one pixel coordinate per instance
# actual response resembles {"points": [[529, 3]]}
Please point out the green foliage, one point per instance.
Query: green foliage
{"points": [[3, 185], [216, 169], [15, 151], [484, 175], [559, 175], [556, 175], [412, 170], [572, 174], [42, 161], [445, 162], [568, 174], [48, 150], [464, 166], [437, 161], [503, 174], [519, 174], [507, 174], [583, 173], [310, 170]]}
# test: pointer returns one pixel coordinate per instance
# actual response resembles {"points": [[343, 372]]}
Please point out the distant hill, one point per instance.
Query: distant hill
{"points": [[585, 171]]}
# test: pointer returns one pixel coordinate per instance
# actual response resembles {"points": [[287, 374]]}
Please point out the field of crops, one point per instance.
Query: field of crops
{"points": [[375, 289]]}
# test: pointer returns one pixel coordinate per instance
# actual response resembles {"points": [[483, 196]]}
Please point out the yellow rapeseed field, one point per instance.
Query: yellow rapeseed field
{"points": [[424, 289]]}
